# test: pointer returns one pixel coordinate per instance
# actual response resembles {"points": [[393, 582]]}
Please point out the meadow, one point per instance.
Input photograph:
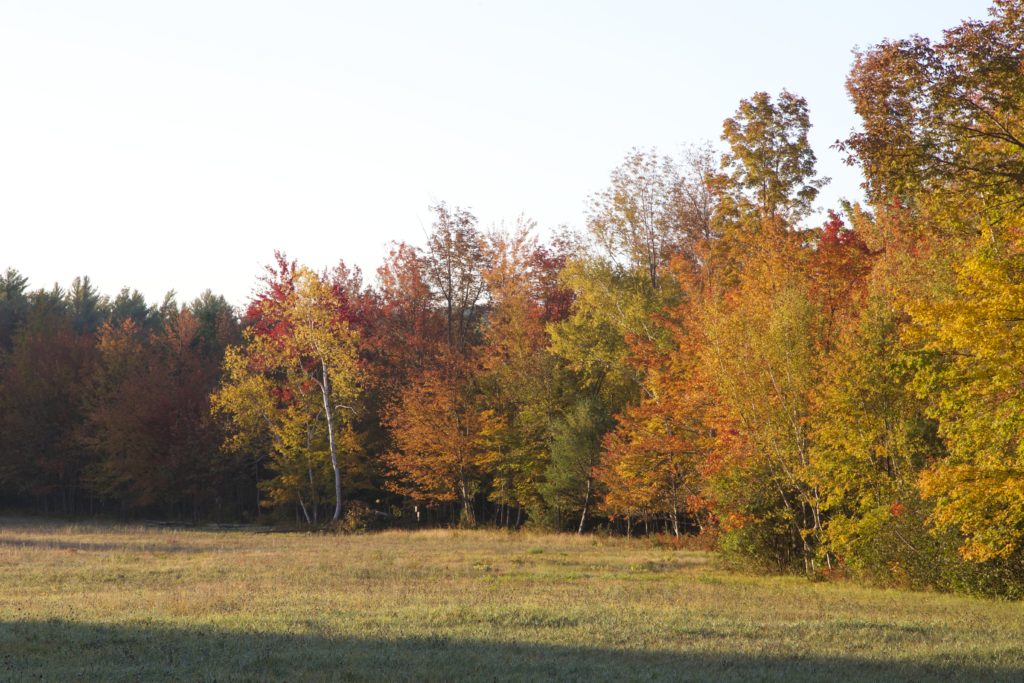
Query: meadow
{"points": [[103, 602]]}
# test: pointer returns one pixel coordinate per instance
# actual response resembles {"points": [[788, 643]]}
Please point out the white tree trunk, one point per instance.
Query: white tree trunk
{"points": [[325, 389]]}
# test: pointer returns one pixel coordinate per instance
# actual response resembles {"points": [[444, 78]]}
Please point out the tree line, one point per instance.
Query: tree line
{"points": [[830, 396]]}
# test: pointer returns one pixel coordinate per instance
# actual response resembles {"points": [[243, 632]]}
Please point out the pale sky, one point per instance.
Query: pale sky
{"points": [[175, 145]]}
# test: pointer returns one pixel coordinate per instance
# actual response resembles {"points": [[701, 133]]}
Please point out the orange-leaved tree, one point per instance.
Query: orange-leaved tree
{"points": [[441, 436]]}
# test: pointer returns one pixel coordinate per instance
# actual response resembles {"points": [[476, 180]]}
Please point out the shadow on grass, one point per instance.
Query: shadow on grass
{"points": [[61, 650], [130, 546]]}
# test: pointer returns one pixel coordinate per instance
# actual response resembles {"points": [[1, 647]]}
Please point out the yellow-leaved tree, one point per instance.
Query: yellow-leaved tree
{"points": [[294, 383], [975, 392]]}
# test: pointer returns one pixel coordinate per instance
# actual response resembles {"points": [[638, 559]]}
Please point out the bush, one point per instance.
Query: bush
{"points": [[358, 518]]}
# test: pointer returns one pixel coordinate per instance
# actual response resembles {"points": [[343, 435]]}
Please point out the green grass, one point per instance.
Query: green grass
{"points": [[94, 602]]}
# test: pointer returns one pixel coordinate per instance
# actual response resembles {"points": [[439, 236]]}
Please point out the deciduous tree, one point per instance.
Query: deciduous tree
{"points": [[300, 345]]}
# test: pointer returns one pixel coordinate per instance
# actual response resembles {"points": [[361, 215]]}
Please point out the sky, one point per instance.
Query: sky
{"points": [[177, 145]]}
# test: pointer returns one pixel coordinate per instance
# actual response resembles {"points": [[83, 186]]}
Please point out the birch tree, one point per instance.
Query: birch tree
{"points": [[299, 373]]}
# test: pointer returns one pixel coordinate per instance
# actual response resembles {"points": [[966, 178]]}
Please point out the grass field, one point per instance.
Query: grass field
{"points": [[107, 603]]}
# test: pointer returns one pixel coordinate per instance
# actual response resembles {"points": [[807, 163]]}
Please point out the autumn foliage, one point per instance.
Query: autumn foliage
{"points": [[825, 393]]}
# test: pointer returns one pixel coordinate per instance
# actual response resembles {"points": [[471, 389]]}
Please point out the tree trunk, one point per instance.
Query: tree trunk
{"points": [[467, 505], [586, 503], [325, 389], [305, 512]]}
